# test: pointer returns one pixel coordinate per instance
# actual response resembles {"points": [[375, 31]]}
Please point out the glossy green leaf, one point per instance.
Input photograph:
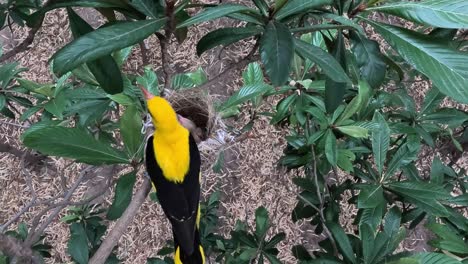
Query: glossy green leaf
{"points": [[56, 106], [427, 196], [147, 7], [370, 61], [78, 244], [262, 222], [276, 51], [299, 6], [380, 141], [105, 69], [447, 68], [402, 157], [437, 13], [357, 103], [370, 196], [74, 143], [324, 60], [123, 195], [331, 148], [342, 241], [130, 129], [262, 5], [214, 13], [432, 100], [354, 131], [253, 74], [246, 93], [149, 81], [102, 42], [335, 91], [225, 37]]}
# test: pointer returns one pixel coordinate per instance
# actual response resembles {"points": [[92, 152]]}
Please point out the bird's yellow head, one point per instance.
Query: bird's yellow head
{"points": [[163, 115]]}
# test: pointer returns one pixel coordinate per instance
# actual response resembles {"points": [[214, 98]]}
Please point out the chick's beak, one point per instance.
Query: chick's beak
{"points": [[147, 94]]}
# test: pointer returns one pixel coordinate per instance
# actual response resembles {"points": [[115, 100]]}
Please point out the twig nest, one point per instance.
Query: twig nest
{"points": [[197, 106]]}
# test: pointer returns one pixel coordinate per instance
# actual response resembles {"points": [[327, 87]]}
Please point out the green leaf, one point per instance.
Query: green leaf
{"points": [[147, 7], [130, 129], [262, 223], [299, 6], [370, 196], [102, 42], [105, 69], [225, 37], [262, 6], [253, 74], [78, 244], [373, 216], [380, 141], [214, 13], [276, 51], [331, 148], [149, 80], [369, 59], [427, 196], [123, 195], [449, 116], [246, 93], [56, 106], [402, 157], [342, 240], [444, 66], [448, 239], [437, 171], [437, 13], [432, 101], [275, 240], [335, 91], [74, 143], [354, 131], [2, 101], [324, 60], [392, 222], [357, 103], [301, 253], [120, 56], [121, 98]]}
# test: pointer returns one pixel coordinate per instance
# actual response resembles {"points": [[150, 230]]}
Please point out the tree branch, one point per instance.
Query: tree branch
{"points": [[233, 67], [122, 224], [13, 248], [35, 232], [21, 47], [29, 158]]}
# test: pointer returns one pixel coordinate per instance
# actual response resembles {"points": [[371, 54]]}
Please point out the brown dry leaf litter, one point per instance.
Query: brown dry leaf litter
{"points": [[250, 177]]}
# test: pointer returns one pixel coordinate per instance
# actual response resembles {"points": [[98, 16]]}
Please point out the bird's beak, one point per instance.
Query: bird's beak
{"points": [[145, 92]]}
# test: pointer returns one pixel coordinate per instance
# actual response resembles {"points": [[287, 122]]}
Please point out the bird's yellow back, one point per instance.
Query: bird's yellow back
{"points": [[170, 141]]}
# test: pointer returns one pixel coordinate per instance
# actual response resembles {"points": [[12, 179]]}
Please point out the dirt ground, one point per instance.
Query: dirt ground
{"points": [[250, 177]]}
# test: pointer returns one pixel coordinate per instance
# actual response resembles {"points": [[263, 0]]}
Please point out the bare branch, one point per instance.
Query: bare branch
{"points": [[28, 179], [21, 47], [122, 224], [144, 53], [30, 158], [17, 251], [233, 67], [35, 232]]}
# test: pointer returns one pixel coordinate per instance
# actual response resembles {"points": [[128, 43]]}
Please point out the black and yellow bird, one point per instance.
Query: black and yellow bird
{"points": [[173, 164]]}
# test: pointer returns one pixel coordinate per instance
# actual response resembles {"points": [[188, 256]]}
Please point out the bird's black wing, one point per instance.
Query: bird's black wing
{"points": [[178, 200]]}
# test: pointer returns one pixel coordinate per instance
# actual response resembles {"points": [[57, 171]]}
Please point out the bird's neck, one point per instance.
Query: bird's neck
{"points": [[172, 152]]}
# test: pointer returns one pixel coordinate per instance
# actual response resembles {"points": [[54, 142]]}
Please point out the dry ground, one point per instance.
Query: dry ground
{"points": [[250, 178]]}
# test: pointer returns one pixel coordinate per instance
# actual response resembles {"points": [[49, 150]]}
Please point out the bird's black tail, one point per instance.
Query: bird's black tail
{"points": [[197, 256]]}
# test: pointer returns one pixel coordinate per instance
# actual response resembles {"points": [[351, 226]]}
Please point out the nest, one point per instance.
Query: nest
{"points": [[197, 106]]}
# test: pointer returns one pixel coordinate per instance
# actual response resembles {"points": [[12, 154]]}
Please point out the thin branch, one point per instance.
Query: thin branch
{"points": [[144, 53], [122, 224], [13, 124], [21, 47], [236, 66], [17, 251], [31, 203], [35, 232], [319, 194], [29, 158]]}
